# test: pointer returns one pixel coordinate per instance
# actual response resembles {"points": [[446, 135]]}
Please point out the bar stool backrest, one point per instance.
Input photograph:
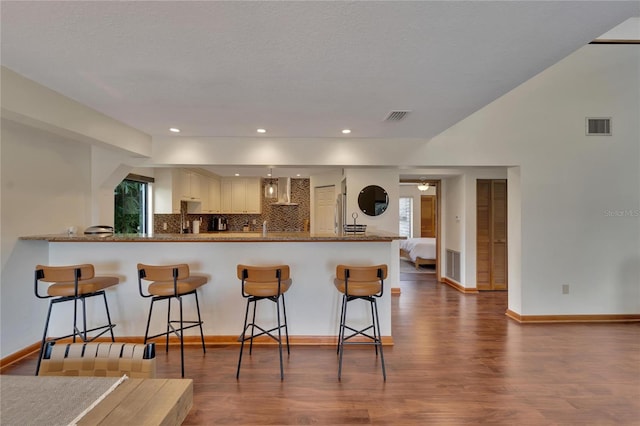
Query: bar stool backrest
{"points": [[361, 280], [263, 274], [361, 274], [56, 274], [163, 272]]}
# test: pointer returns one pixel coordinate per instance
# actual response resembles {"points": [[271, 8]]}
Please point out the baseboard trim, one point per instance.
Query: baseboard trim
{"points": [[395, 291], [539, 319], [195, 341], [456, 285], [17, 356]]}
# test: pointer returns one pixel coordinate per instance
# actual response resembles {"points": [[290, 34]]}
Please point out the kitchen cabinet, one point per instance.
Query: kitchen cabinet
{"points": [[214, 195], [240, 196], [209, 196], [190, 185], [173, 186]]}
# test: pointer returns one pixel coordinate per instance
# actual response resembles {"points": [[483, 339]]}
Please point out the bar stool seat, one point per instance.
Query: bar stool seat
{"points": [[165, 282], [360, 283], [184, 286], [92, 285], [264, 283], [73, 283]]}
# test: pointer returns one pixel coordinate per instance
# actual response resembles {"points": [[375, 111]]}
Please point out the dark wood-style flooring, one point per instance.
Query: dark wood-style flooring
{"points": [[457, 359]]}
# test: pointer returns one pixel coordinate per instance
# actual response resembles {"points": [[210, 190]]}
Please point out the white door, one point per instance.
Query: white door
{"points": [[325, 207]]}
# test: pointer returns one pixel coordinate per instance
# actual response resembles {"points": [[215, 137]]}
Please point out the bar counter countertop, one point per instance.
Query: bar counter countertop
{"points": [[217, 237]]}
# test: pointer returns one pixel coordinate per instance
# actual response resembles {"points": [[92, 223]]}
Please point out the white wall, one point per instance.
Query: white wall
{"points": [[568, 181], [46, 188], [28, 102], [453, 221], [388, 179]]}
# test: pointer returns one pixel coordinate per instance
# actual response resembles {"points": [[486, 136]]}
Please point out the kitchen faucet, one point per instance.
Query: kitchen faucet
{"points": [[184, 225]]}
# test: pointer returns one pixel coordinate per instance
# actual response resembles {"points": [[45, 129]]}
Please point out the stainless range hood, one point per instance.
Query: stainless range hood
{"points": [[284, 193]]}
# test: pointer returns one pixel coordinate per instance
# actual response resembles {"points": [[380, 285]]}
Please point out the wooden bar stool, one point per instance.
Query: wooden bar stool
{"points": [[360, 283], [166, 282], [74, 283], [264, 283]]}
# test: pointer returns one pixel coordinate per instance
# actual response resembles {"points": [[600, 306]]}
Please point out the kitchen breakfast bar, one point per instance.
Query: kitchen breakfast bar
{"points": [[313, 303]]}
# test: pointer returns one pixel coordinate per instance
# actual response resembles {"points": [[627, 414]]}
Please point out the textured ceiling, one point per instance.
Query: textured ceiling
{"points": [[298, 69]]}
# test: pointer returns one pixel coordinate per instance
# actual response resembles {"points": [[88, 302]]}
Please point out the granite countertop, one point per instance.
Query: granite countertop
{"points": [[217, 237]]}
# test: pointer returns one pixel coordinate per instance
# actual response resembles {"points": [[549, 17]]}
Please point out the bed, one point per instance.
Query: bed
{"points": [[421, 251]]}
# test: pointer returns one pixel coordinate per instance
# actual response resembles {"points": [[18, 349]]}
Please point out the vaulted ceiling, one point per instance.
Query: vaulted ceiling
{"points": [[296, 69]]}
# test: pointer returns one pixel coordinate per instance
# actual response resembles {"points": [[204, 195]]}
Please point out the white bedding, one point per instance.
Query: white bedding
{"points": [[424, 248]]}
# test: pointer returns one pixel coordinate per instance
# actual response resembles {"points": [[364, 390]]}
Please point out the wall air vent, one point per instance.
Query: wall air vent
{"points": [[598, 126], [396, 115], [452, 267]]}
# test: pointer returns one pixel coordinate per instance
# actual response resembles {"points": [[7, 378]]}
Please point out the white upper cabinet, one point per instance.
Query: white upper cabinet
{"points": [[190, 184], [214, 195], [175, 185], [209, 195], [240, 196]]}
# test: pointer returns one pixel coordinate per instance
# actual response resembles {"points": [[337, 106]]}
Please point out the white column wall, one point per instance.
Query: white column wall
{"points": [[454, 229], [514, 238]]}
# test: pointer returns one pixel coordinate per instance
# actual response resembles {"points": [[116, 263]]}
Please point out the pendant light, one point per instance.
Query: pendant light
{"points": [[271, 187]]}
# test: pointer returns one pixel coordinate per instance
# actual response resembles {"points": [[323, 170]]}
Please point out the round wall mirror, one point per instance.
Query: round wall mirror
{"points": [[373, 200]]}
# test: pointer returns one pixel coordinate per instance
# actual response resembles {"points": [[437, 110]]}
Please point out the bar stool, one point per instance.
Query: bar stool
{"points": [[364, 283], [73, 283], [166, 282], [264, 283]]}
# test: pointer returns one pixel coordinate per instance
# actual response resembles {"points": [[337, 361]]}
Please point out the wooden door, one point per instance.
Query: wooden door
{"points": [[428, 222], [491, 234]]}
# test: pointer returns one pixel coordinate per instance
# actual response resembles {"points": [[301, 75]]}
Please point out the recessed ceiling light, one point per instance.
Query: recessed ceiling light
{"points": [[298, 175], [262, 131], [346, 131], [174, 130], [237, 174]]}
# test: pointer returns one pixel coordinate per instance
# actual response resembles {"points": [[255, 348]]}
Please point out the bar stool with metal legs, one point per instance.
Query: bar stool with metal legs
{"points": [[264, 283], [360, 283], [167, 282], [74, 283]]}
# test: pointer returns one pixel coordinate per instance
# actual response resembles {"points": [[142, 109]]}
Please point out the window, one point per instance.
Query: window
{"points": [[131, 205], [406, 217]]}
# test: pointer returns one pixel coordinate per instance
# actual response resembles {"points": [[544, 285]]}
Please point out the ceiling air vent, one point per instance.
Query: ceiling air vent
{"points": [[599, 126], [396, 115]]}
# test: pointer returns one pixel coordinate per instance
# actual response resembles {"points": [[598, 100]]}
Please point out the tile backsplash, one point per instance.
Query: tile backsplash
{"points": [[279, 218]]}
